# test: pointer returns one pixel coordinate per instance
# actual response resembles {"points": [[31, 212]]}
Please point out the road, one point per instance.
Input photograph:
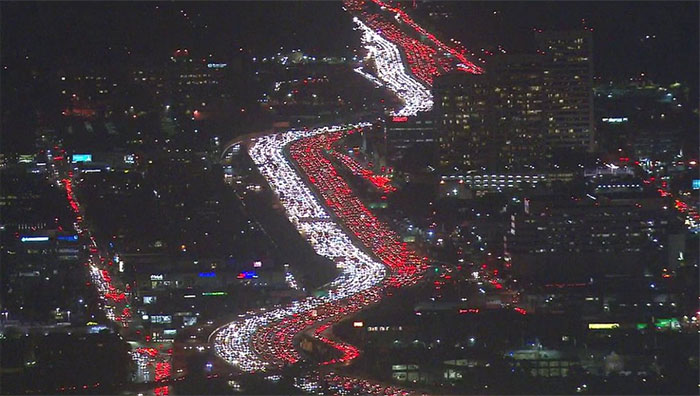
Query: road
{"points": [[323, 208]]}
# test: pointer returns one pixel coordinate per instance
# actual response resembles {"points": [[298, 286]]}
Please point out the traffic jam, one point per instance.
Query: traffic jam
{"points": [[324, 209]]}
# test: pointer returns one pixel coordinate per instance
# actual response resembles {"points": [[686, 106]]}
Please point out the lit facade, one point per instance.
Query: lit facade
{"points": [[568, 84], [523, 111], [494, 120]]}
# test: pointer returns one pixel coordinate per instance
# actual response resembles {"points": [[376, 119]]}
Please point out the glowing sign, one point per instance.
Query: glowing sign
{"points": [[357, 324], [34, 239], [603, 326], [671, 323], [96, 329], [161, 318], [399, 119], [211, 274], [696, 184], [157, 277], [615, 120], [67, 237], [216, 65], [216, 293], [257, 264], [81, 158], [247, 275]]}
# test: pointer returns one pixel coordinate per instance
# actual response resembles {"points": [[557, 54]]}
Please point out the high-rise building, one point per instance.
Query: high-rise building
{"points": [[520, 100], [527, 112], [460, 119], [568, 84], [494, 120]]}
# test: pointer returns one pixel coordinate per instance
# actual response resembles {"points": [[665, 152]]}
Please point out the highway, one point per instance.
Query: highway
{"points": [[323, 208], [359, 272]]}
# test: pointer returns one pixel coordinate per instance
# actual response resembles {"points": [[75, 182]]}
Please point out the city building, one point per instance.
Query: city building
{"points": [[568, 84], [457, 185], [626, 233], [640, 119], [460, 116], [527, 111], [404, 133]]}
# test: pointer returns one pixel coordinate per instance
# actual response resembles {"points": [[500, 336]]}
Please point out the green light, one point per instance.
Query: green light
{"points": [[670, 323], [642, 326], [217, 293]]}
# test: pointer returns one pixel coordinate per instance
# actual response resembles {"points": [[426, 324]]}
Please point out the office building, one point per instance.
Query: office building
{"points": [[405, 133], [624, 234], [568, 84], [529, 111]]}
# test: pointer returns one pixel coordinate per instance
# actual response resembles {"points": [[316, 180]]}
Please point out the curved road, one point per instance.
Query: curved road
{"points": [[323, 208]]}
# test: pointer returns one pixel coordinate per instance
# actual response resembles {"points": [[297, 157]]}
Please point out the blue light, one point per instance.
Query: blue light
{"points": [[696, 184], [247, 275], [34, 239], [67, 237], [81, 158], [207, 274]]}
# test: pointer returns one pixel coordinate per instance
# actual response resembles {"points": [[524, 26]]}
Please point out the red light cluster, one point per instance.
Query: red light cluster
{"points": [[381, 182]]}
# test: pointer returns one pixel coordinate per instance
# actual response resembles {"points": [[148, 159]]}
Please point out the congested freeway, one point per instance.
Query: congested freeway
{"points": [[425, 55], [252, 343], [392, 73], [323, 208], [265, 338], [359, 272]]}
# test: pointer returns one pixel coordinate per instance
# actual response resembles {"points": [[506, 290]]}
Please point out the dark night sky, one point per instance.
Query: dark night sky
{"points": [[618, 26], [53, 33]]}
